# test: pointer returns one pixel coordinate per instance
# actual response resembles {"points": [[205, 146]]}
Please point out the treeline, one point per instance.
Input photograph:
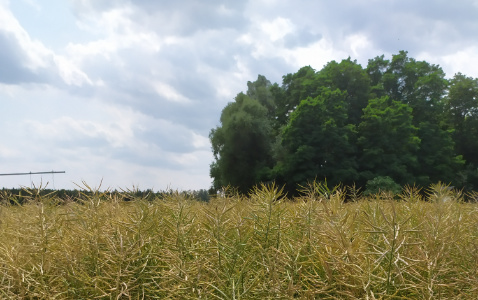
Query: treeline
{"points": [[20, 196], [397, 118]]}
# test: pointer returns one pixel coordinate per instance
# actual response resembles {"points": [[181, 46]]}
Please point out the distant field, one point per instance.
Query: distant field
{"points": [[263, 246]]}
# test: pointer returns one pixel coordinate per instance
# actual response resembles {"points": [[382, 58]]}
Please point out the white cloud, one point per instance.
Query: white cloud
{"points": [[359, 45], [169, 93], [116, 31], [463, 61], [267, 41], [133, 99], [69, 130], [200, 142], [70, 73], [36, 55], [277, 28], [316, 55]]}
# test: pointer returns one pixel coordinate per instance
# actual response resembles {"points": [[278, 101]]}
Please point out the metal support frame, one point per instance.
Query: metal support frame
{"points": [[32, 173]]}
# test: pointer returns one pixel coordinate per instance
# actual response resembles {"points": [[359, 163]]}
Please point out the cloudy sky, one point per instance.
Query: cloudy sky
{"points": [[126, 91]]}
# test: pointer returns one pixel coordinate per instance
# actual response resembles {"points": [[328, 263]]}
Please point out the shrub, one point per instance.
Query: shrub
{"points": [[382, 184]]}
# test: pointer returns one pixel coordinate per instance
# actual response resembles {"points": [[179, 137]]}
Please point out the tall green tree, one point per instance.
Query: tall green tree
{"points": [[260, 90], [295, 88], [423, 87], [462, 115], [350, 77], [376, 68], [399, 117], [388, 141], [242, 145], [416, 83], [317, 141], [462, 100], [437, 158]]}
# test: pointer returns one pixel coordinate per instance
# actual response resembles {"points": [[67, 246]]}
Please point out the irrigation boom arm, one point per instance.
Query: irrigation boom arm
{"points": [[32, 173]]}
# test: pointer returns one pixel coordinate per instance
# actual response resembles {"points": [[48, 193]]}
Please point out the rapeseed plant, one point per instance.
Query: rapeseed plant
{"points": [[260, 246]]}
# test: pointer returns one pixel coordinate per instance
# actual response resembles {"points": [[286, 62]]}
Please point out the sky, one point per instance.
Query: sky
{"points": [[122, 94]]}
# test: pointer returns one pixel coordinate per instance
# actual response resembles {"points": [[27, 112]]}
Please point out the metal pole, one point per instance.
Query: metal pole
{"points": [[32, 173]]}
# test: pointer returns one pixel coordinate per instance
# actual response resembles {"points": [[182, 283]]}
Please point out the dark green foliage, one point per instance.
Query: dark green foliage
{"points": [[382, 184], [416, 83], [376, 69], [388, 141], [260, 90], [242, 145], [20, 196], [462, 116], [422, 86], [317, 141], [399, 118], [295, 88], [350, 77], [437, 156]]}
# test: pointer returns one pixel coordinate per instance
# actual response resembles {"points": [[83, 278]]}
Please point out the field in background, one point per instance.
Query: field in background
{"points": [[263, 246]]}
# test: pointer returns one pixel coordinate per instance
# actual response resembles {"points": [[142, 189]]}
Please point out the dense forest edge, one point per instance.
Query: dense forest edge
{"points": [[23, 195], [397, 121]]}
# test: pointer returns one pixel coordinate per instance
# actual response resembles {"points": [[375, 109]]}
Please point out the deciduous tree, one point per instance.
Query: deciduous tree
{"points": [[388, 141], [317, 141], [350, 77]]}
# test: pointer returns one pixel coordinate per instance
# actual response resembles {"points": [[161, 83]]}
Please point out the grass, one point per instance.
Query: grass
{"points": [[264, 246]]}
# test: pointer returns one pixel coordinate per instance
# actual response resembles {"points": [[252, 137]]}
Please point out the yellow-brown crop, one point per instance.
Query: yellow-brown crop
{"points": [[264, 246]]}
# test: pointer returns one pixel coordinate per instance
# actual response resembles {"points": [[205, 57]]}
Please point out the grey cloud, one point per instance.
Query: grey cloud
{"points": [[188, 68], [195, 116], [153, 149], [85, 7], [190, 72], [411, 25], [449, 11], [167, 139], [67, 137], [187, 17], [211, 46], [151, 157], [215, 50], [434, 26], [12, 62], [273, 68], [19, 68], [173, 17], [301, 39], [201, 56]]}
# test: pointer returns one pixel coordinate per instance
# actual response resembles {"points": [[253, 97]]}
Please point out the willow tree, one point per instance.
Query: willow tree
{"points": [[241, 145]]}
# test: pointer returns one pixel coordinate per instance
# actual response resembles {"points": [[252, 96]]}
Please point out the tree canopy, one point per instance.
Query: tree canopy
{"points": [[396, 118]]}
